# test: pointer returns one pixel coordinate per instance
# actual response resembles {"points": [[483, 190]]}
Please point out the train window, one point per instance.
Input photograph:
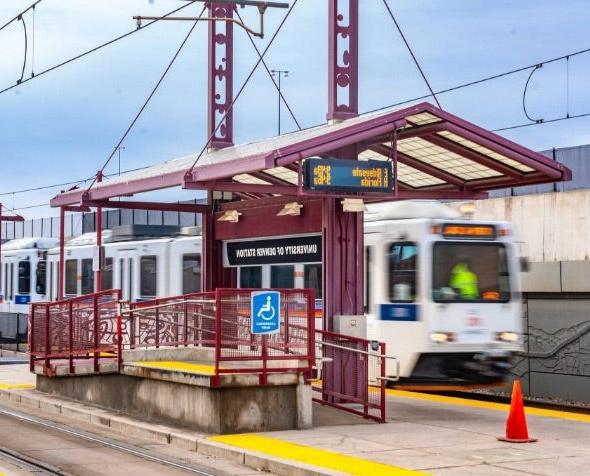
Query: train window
{"points": [[148, 280], [41, 277], [312, 278], [282, 276], [107, 274], [71, 277], [191, 273], [24, 277], [11, 285], [130, 280], [87, 277], [470, 272], [251, 277], [51, 281], [402, 272], [5, 277]]}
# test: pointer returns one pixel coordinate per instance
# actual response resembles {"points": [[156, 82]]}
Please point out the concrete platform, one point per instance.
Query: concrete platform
{"points": [[424, 434], [187, 394]]}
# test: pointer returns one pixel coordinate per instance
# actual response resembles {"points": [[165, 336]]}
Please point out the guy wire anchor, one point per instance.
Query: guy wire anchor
{"points": [[262, 6]]}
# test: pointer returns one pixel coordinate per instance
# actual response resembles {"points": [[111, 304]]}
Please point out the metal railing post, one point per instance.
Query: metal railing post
{"points": [[185, 324], [96, 343], [382, 389], [71, 337], [311, 335], [31, 340], [46, 338], [217, 310], [157, 326], [119, 337]]}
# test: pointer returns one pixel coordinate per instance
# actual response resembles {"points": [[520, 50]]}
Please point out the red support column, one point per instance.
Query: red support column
{"points": [[221, 42], [343, 59], [61, 270]]}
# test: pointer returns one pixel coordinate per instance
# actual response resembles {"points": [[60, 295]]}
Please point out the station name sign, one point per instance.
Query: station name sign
{"points": [[348, 175], [301, 249]]}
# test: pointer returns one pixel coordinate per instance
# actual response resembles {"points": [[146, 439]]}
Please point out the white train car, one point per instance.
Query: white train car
{"points": [[446, 330], [24, 271], [142, 267]]}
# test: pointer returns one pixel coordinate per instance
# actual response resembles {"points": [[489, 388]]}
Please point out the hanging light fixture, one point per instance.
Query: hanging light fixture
{"points": [[291, 209], [232, 216]]}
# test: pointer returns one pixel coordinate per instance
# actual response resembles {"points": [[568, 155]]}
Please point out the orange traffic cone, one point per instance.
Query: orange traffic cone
{"points": [[516, 429]]}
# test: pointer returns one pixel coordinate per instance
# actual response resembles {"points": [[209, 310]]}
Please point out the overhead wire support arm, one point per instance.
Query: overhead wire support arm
{"points": [[262, 6]]}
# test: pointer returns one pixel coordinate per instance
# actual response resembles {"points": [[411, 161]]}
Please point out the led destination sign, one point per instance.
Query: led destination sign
{"points": [[348, 175]]}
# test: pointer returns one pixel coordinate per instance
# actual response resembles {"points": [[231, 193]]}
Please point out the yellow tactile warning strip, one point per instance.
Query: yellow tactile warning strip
{"points": [[312, 456], [15, 386], [504, 407], [189, 367]]}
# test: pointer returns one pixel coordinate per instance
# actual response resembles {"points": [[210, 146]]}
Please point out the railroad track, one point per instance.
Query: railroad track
{"points": [[42, 468], [22, 461]]}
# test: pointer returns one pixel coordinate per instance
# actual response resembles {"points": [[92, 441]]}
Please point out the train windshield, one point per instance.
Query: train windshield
{"points": [[470, 272]]}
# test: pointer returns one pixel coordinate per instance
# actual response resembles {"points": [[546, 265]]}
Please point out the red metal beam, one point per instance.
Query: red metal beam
{"points": [[422, 166], [152, 206], [419, 131], [474, 156]]}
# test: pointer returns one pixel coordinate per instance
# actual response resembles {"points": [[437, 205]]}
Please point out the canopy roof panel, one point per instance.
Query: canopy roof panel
{"points": [[435, 153]]}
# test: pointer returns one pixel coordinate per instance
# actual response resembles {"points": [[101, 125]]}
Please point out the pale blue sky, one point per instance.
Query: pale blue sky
{"points": [[62, 126]]}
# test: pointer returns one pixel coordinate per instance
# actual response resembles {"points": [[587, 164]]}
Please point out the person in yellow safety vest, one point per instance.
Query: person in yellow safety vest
{"points": [[464, 280]]}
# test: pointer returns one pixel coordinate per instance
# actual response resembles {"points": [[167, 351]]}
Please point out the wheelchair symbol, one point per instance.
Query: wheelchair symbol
{"points": [[266, 309]]}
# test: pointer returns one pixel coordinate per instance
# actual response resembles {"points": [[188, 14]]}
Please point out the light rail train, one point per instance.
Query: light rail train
{"points": [[442, 292]]}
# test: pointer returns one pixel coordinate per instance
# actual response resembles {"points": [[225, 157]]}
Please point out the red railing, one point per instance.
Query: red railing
{"points": [[221, 321], [351, 374], [83, 327]]}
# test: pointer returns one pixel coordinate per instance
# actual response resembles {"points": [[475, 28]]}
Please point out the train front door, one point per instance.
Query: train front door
{"points": [[126, 273]]}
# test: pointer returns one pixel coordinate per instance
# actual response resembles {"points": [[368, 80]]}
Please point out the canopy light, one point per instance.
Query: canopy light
{"points": [[291, 209], [232, 216], [353, 205]]}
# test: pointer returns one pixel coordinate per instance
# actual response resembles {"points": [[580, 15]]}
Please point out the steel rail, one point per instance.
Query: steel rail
{"points": [[123, 447], [36, 466]]}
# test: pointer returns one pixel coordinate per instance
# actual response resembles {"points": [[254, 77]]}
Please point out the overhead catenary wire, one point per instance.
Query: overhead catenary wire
{"points": [[484, 79], [18, 16], [270, 74], [96, 48], [65, 184], [148, 99], [416, 62], [244, 84]]}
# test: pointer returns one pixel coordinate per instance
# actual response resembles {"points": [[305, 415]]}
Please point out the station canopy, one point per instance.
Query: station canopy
{"points": [[437, 155]]}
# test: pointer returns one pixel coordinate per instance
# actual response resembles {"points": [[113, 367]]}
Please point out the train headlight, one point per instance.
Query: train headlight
{"points": [[507, 336], [440, 337]]}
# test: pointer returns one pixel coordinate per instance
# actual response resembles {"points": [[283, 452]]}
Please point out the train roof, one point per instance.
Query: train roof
{"points": [[30, 243], [407, 209]]}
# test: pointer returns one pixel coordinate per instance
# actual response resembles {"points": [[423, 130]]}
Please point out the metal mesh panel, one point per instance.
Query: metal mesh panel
{"points": [[80, 326], [172, 321], [290, 344], [350, 375]]}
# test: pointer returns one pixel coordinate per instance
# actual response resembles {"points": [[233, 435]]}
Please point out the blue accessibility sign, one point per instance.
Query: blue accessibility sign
{"points": [[265, 307]]}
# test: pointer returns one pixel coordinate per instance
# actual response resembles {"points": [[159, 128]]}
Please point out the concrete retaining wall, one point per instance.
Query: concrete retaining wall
{"points": [[213, 410]]}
